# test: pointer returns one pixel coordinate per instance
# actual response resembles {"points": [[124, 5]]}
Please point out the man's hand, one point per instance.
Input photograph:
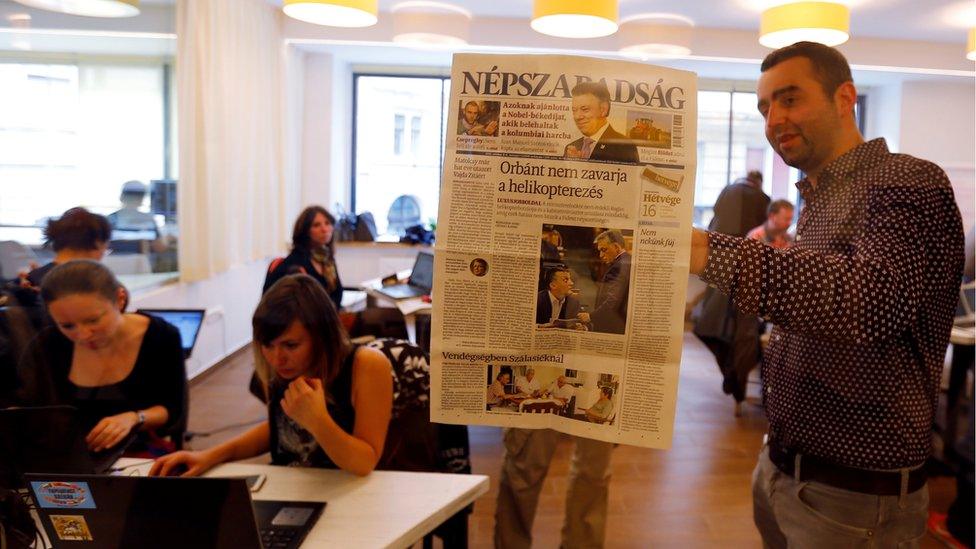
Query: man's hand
{"points": [[572, 152], [699, 251], [491, 127], [304, 402], [584, 317]]}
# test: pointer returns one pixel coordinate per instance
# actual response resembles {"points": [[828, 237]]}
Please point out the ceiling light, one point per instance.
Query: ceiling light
{"points": [[333, 13], [90, 8], [971, 45], [655, 35], [430, 23], [575, 18], [824, 22]]}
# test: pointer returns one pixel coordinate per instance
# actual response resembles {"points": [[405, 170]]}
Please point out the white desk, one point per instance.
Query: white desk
{"points": [[384, 509]]}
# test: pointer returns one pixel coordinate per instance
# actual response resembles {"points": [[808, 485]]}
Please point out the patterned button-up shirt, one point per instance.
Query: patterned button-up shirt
{"points": [[863, 303]]}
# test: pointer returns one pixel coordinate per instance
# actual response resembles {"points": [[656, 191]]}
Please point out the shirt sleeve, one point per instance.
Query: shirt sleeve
{"points": [[862, 297]]}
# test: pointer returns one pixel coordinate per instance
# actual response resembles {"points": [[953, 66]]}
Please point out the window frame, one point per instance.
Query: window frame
{"points": [[356, 74]]}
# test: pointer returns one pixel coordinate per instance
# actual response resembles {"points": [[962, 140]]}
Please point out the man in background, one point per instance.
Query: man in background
{"points": [[591, 107], [132, 224], [527, 385], [610, 312], [556, 302], [775, 231]]}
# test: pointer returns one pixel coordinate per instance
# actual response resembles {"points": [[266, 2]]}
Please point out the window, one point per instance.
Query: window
{"points": [[72, 134], [405, 161]]}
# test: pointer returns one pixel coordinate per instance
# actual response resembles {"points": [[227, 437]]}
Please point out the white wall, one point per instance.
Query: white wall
{"points": [[937, 124]]}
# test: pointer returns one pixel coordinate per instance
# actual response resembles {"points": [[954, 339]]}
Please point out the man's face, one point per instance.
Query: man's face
{"points": [[780, 221], [529, 375], [589, 113], [471, 112], [803, 124], [561, 284], [560, 381], [504, 379], [608, 250]]}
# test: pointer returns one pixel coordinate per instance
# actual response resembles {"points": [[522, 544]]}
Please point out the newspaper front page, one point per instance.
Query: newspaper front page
{"points": [[562, 247]]}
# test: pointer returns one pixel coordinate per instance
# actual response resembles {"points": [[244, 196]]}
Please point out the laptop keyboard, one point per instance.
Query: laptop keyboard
{"points": [[274, 538]]}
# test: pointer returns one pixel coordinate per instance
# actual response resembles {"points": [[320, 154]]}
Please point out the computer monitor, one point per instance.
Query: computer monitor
{"points": [[162, 198]]}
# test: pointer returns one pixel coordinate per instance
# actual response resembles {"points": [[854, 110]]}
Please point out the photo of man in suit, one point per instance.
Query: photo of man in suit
{"points": [[591, 107], [557, 301], [610, 312], [476, 119]]}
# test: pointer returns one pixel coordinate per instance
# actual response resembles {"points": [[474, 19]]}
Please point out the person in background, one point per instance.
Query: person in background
{"points": [[132, 224], [123, 371], [740, 206], [527, 385], [601, 410], [329, 401], [774, 232], [863, 304], [496, 391], [610, 312], [77, 234], [312, 253], [528, 453]]}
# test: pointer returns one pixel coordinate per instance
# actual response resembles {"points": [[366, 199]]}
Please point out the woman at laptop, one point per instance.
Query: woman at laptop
{"points": [[123, 371], [329, 402], [312, 253]]}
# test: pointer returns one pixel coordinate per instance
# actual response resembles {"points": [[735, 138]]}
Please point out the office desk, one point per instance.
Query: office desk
{"points": [[411, 307], [384, 509]]}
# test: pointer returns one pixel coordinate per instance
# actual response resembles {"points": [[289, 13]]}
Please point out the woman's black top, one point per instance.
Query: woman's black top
{"points": [[300, 261], [157, 378], [291, 444]]}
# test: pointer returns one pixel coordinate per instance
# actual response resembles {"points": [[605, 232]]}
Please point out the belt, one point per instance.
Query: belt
{"points": [[879, 483]]}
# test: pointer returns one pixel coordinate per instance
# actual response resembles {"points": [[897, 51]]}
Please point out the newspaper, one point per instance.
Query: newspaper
{"points": [[562, 247]]}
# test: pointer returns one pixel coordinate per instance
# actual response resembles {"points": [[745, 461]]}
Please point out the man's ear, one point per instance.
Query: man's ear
{"points": [[605, 109], [845, 97]]}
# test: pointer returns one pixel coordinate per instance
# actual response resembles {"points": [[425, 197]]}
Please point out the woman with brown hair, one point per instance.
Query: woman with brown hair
{"points": [[123, 371], [329, 402], [312, 253]]}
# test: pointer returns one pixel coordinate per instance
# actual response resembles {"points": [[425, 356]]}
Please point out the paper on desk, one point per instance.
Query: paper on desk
{"points": [[523, 192]]}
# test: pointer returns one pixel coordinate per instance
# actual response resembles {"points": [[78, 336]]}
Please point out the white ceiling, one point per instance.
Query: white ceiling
{"points": [[923, 20]]}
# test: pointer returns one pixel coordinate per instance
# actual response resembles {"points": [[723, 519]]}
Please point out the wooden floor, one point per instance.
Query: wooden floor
{"points": [[697, 494]]}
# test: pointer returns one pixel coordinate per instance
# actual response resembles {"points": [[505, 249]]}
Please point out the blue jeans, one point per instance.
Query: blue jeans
{"points": [[794, 514]]}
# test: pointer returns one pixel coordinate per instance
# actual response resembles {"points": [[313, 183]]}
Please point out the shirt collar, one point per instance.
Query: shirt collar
{"points": [[599, 133], [861, 158]]}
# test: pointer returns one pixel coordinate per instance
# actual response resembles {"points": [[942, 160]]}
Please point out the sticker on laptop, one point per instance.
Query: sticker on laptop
{"points": [[71, 528], [63, 495]]}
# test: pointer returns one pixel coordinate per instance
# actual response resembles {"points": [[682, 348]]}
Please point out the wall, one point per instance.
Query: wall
{"points": [[230, 299], [937, 124]]}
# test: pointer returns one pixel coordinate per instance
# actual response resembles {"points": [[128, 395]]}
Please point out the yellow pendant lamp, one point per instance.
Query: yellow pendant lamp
{"points": [[824, 22], [89, 8], [575, 18], [333, 13]]}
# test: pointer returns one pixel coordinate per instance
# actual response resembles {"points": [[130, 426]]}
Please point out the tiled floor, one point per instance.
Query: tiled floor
{"points": [[696, 494]]}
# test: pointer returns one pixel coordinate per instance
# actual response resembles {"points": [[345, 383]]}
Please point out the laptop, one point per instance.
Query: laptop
{"points": [[187, 321], [98, 511], [49, 439], [420, 282]]}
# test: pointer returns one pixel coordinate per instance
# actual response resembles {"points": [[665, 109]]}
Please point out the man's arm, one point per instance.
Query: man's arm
{"points": [[866, 296]]}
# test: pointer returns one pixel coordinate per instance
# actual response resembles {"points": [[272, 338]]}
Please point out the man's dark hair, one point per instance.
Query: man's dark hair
{"points": [[551, 273], [597, 89], [612, 236], [829, 65], [776, 205]]}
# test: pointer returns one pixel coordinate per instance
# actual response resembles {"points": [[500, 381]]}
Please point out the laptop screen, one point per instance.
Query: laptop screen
{"points": [[187, 321], [423, 271]]}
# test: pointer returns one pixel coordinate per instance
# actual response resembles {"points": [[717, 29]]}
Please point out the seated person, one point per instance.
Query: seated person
{"points": [[77, 234], [132, 224], [561, 390], [329, 402], [123, 371], [496, 391], [527, 386], [601, 410], [557, 301], [312, 253]]}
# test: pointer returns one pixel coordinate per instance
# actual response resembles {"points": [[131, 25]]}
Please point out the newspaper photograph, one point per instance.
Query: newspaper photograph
{"points": [[563, 239]]}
